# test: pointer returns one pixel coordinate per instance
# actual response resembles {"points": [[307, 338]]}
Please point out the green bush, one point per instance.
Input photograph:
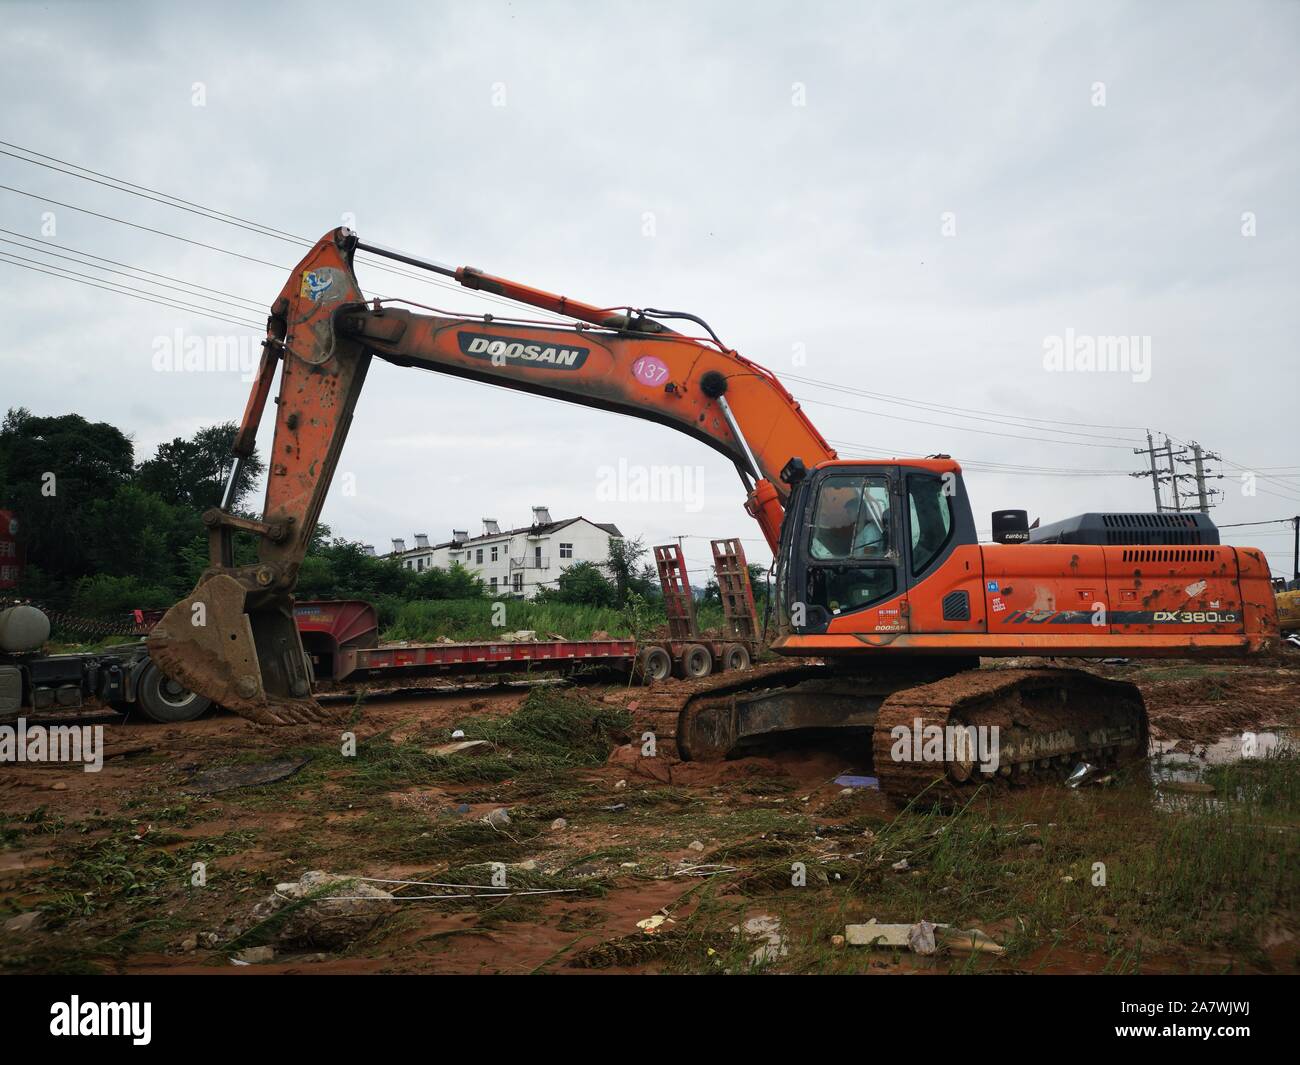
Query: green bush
{"points": [[103, 596], [472, 619]]}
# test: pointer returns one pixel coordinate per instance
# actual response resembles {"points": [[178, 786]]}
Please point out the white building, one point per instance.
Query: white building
{"points": [[515, 562]]}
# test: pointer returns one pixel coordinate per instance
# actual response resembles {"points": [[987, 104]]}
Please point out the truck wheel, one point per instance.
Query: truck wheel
{"points": [[735, 656], [697, 661], [163, 700], [654, 664]]}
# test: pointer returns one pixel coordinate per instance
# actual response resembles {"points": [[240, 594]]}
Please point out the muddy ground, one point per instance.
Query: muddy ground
{"points": [[1182, 865]]}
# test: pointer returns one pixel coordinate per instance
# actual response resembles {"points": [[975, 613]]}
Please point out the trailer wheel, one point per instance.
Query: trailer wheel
{"points": [[163, 700], [654, 664], [697, 661], [735, 656]]}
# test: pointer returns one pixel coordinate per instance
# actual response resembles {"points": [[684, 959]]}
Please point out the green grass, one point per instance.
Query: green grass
{"points": [[472, 619], [1270, 783]]}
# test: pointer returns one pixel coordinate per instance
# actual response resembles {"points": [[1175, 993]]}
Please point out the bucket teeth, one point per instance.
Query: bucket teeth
{"points": [[206, 643]]}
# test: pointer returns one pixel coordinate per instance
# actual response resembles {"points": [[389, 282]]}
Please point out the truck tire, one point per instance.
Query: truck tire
{"points": [[163, 700], [697, 661], [654, 663], [735, 656]]}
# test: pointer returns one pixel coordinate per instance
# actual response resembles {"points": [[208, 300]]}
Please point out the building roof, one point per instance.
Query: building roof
{"points": [[544, 529]]}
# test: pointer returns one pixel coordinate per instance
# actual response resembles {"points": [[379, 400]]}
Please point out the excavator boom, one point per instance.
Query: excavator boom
{"points": [[234, 639]]}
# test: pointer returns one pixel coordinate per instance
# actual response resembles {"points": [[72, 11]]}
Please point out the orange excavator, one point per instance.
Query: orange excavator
{"points": [[885, 600]]}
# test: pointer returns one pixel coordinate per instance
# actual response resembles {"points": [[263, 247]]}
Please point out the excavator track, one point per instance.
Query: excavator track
{"points": [[672, 709], [1047, 721]]}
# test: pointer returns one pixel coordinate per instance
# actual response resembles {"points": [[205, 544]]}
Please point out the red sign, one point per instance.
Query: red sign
{"points": [[11, 553]]}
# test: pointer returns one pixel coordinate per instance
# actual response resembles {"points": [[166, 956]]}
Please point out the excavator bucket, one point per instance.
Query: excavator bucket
{"points": [[250, 661]]}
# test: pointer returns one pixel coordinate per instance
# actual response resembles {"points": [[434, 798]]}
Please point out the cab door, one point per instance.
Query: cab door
{"points": [[945, 570]]}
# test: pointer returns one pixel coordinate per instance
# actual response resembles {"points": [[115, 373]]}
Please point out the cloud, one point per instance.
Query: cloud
{"points": [[819, 225]]}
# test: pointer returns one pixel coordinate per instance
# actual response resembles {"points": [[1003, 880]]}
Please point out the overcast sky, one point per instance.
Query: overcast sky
{"points": [[907, 199]]}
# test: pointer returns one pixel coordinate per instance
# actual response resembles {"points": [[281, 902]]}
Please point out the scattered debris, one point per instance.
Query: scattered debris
{"points": [[322, 910], [446, 750], [873, 934], [1087, 773], [767, 929], [650, 924], [226, 777], [851, 781], [705, 870], [900, 866], [253, 956], [498, 817], [969, 940], [920, 938], [559, 824], [31, 921], [696, 845]]}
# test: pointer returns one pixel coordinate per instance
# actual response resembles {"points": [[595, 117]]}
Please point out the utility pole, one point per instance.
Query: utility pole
{"points": [[1173, 474], [1295, 565], [1153, 473], [1202, 495]]}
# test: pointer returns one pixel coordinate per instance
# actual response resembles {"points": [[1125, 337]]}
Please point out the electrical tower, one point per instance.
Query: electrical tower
{"points": [[1163, 462]]}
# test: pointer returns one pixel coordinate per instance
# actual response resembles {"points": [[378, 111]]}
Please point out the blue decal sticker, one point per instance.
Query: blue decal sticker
{"points": [[316, 283], [993, 586]]}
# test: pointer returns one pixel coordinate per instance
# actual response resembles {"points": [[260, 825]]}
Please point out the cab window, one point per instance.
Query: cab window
{"points": [[930, 514], [851, 519]]}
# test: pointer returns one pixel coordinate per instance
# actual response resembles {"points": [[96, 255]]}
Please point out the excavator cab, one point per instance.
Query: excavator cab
{"points": [[858, 536]]}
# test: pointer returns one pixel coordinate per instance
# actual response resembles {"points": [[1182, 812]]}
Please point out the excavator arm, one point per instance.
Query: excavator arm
{"points": [[234, 639]]}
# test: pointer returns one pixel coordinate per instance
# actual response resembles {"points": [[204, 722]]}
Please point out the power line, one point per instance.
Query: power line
{"points": [[157, 197], [1243, 524], [135, 293], [964, 428], [253, 304], [1255, 471], [212, 214], [109, 270], [987, 466], [1015, 421]]}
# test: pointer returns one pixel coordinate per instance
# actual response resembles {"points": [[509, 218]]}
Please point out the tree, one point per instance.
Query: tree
{"points": [[52, 470], [583, 582], [627, 571], [193, 473], [134, 533]]}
